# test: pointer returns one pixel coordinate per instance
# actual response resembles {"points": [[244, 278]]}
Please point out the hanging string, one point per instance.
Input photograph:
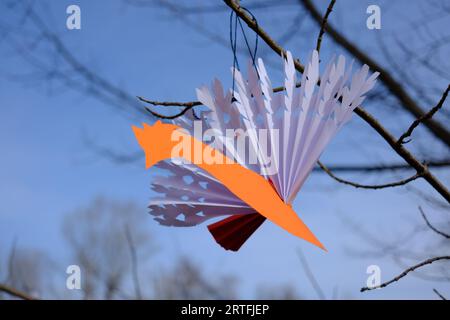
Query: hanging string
{"points": [[253, 56], [233, 42]]}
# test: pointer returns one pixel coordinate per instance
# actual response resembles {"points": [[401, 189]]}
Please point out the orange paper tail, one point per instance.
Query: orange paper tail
{"points": [[232, 232]]}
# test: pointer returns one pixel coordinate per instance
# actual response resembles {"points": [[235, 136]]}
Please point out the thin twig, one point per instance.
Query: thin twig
{"points": [[445, 235], [99, 83], [324, 23], [11, 258], [134, 264], [310, 275], [170, 104], [426, 116], [363, 186], [186, 105], [383, 167], [404, 273], [16, 293], [162, 116], [439, 294]]}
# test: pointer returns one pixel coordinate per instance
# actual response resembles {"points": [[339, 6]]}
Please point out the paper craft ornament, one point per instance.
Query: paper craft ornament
{"points": [[299, 123]]}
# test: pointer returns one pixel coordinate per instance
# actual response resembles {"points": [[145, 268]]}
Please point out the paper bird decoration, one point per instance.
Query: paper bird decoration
{"points": [[298, 124]]}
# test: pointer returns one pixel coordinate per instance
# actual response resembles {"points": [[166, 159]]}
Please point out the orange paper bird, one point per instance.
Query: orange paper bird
{"points": [[158, 143], [247, 157]]}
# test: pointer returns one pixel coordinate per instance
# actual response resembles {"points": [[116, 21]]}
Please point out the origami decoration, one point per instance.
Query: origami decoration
{"points": [[298, 124]]}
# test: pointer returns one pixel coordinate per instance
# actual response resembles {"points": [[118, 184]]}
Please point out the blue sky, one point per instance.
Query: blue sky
{"points": [[47, 170]]}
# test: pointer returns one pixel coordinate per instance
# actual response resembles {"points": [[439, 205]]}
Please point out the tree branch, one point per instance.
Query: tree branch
{"points": [[439, 294], [134, 263], [171, 104], [394, 87], [426, 116], [404, 273], [16, 293], [384, 167], [310, 275], [324, 23], [404, 153], [187, 105], [445, 235], [363, 186]]}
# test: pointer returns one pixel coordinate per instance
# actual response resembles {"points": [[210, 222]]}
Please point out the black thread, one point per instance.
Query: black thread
{"points": [[233, 42], [256, 38], [233, 48]]}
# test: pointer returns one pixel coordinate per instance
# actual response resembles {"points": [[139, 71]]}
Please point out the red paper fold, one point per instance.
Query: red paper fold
{"points": [[232, 232]]}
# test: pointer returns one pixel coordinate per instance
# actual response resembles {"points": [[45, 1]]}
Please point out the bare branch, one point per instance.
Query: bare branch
{"points": [[363, 186], [12, 255], [16, 293], [324, 23], [383, 167], [99, 87], [186, 105], [405, 154], [162, 116], [426, 116], [134, 263], [445, 235], [439, 294], [404, 273], [394, 87], [310, 275], [189, 104]]}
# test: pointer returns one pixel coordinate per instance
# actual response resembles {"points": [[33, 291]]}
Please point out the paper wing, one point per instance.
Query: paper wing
{"points": [[188, 196]]}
